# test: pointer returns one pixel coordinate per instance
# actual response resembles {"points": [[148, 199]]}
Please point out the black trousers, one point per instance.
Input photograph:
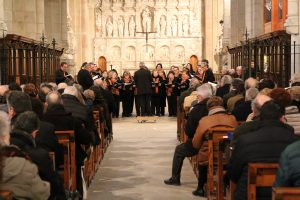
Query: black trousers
{"points": [[117, 105], [155, 105], [172, 105], [181, 152], [142, 103], [127, 104]]}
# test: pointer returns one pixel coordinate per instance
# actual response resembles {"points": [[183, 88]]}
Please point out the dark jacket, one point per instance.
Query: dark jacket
{"points": [[72, 105], [41, 158], [85, 79], [143, 80], [60, 76], [221, 91], [197, 112], [242, 110], [47, 140], [62, 120], [263, 145], [288, 174], [209, 76]]}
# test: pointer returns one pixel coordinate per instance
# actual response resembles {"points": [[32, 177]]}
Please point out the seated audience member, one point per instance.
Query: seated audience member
{"points": [[251, 83], [295, 95], [14, 86], [252, 125], [238, 72], [231, 72], [239, 89], [224, 71], [208, 75], [44, 90], [189, 100], [225, 84], [295, 80], [236, 83], [242, 110], [217, 117], [20, 175], [288, 173], [265, 91], [108, 97], [194, 84], [25, 129], [3, 92], [186, 149], [63, 120], [89, 99], [292, 115], [266, 83], [262, 145], [61, 87]]}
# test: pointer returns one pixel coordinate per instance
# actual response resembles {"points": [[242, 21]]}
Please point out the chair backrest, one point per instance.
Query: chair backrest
{"points": [[67, 139], [286, 193], [260, 175], [6, 194], [216, 151]]}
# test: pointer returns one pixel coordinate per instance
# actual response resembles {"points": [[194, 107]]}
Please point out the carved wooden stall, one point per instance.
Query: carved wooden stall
{"points": [[24, 60], [269, 55]]}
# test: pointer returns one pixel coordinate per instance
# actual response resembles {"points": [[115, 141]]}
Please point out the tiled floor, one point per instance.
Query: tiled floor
{"points": [[137, 162]]}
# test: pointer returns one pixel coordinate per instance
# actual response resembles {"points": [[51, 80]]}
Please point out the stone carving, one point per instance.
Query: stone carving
{"points": [[130, 53], [146, 19], [174, 26], [115, 53], [148, 53], [185, 26], [3, 29], [163, 25], [131, 27], [164, 53], [109, 27], [121, 26], [179, 52], [98, 21]]}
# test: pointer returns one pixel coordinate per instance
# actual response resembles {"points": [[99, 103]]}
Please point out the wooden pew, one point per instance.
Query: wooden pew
{"points": [[67, 139], [260, 175], [286, 193], [217, 143], [52, 157], [6, 194]]}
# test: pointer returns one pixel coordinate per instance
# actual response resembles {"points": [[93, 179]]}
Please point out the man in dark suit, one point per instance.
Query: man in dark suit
{"points": [[208, 75], [143, 79], [84, 76], [61, 74]]}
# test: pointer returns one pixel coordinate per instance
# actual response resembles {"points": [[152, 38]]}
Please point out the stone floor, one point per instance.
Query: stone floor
{"points": [[137, 162]]}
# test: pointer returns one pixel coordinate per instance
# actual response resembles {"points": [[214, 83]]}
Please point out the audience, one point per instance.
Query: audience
{"points": [[225, 84], [265, 144], [237, 89], [20, 175]]}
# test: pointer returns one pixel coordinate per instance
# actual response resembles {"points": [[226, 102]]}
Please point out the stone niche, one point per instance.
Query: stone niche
{"points": [[174, 28]]}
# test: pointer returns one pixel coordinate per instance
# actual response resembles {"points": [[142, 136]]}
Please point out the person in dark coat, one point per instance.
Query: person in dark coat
{"points": [[171, 94], [208, 75], [127, 94], [24, 131], [288, 173], [263, 145], [224, 86], [143, 80], [186, 149], [61, 74], [156, 93], [163, 95], [84, 76], [243, 109]]}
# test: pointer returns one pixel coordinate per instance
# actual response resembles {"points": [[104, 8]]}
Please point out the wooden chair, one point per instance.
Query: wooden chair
{"points": [[67, 139], [260, 175], [286, 193], [6, 194], [52, 157], [217, 143]]}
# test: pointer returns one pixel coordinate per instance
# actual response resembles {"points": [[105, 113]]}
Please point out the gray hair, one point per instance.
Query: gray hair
{"points": [[142, 64], [71, 90], [53, 98], [27, 121], [258, 102], [194, 83], [62, 85], [226, 80], [250, 83], [251, 93], [205, 91], [295, 78], [4, 126]]}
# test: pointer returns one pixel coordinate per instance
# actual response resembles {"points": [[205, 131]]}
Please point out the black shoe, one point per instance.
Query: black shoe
{"points": [[172, 181], [199, 192]]}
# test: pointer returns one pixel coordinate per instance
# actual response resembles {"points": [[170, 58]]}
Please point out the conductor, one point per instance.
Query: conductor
{"points": [[143, 79]]}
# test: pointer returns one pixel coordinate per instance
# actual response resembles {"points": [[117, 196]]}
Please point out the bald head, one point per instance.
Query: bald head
{"points": [[3, 89], [53, 98], [258, 102]]}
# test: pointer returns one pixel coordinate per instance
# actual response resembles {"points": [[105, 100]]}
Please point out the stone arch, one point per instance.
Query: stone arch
{"points": [[130, 53], [164, 53], [148, 55], [115, 53], [180, 53]]}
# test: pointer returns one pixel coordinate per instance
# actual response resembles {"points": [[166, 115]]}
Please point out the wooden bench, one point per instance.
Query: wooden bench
{"points": [[6, 194], [286, 193], [260, 175], [217, 143], [67, 139], [52, 157]]}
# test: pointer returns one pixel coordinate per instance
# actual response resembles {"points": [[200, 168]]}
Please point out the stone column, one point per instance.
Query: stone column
{"points": [[3, 25], [292, 27], [84, 30], [40, 18]]}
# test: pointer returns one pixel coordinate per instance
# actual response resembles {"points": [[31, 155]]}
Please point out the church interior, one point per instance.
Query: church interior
{"points": [[147, 99]]}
